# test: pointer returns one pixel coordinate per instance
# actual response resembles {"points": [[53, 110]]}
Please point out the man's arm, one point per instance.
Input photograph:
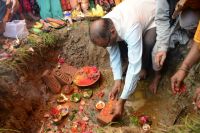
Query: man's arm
{"points": [[134, 41], [162, 20], [192, 57], [163, 31], [115, 61]]}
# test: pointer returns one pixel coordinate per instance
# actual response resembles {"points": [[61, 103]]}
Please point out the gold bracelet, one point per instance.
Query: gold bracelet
{"points": [[184, 69]]}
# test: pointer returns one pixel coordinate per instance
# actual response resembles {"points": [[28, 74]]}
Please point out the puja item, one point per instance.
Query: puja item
{"points": [[67, 89], [86, 76], [75, 97], [106, 116], [62, 98], [100, 105], [62, 77], [51, 82], [59, 112], [182, 89], [87, 93], [85, 5]]}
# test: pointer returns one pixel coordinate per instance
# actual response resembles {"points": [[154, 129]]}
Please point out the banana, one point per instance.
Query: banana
{"points": [[38, 25], [54, 25]]}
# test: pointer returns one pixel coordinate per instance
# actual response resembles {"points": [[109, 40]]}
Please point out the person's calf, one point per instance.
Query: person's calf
{"points": [[154, 84], [143, 74], [2, 27]]}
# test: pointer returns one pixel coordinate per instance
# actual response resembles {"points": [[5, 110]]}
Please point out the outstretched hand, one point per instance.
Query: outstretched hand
{"points": [[176, 80], [117, 110], [160, 58]]}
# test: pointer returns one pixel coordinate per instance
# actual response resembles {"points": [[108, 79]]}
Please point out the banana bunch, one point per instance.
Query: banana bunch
{"points": [[98, 11], [54, 25], [76, 13]]}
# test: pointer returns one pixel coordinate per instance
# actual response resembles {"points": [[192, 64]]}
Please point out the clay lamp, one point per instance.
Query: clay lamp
{"points": [[100, 105], [62, 98], [75, 97], [61, 111], [87, 93], [67, 89], [146, 127], [64, 111]]}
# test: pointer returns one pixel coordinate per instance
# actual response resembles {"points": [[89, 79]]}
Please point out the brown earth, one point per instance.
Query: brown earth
{"points": [[24, 98]]}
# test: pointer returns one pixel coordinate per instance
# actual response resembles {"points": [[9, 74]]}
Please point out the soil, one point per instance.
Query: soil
{"points": [[24, 98], [80, 51]]}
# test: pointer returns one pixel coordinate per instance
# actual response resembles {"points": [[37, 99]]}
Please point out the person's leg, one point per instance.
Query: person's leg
{"points": [[149, 42], [28, 9], [45, 8], [56, 9], [20, 10], [2, 13], [189, 20], [157, 73], [149, 39]]}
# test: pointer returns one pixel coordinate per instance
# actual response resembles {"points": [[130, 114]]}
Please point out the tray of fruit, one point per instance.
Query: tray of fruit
{"points": [[86, 76]]}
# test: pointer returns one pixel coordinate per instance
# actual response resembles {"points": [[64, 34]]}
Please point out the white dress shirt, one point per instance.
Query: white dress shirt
{"points": [[131, 18]]}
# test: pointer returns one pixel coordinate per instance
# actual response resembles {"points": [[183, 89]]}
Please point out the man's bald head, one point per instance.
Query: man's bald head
{"points": [[99, 31]]}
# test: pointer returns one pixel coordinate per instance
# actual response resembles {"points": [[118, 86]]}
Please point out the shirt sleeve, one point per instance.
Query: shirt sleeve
{"points": [[163, 29], [115, 61], [134, 41]]}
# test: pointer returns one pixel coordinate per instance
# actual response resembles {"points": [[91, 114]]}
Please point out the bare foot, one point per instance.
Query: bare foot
{"points": [[143, 74], [154, 85], [117, 110]]}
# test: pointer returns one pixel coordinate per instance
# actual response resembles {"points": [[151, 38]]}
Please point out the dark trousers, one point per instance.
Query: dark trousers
{"points": [[149, 40]]}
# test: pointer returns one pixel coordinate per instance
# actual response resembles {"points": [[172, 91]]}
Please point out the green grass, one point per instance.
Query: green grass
{"points": [[20, 60]]}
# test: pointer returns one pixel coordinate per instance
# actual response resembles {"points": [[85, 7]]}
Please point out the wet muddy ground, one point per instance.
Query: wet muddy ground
{"points": [[25, 99]]}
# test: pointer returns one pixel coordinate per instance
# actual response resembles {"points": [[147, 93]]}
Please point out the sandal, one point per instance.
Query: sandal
{"points": [[51, 82]]}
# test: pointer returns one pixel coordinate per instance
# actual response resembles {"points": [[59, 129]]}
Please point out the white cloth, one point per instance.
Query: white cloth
{"points": [[131, 18]]}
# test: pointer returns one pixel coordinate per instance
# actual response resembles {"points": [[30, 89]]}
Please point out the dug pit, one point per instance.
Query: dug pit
{"points": [[26, 101]]}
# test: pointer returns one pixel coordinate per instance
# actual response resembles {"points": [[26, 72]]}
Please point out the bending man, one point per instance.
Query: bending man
{"points": [[132, 22]]}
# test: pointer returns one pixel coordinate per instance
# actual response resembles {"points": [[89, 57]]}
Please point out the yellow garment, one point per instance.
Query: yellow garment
{"points": [[197, 35], [118, 2]]}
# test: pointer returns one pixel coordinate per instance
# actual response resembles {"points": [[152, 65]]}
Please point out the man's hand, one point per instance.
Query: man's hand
{"points": [[117, 111], [160, 58], [115, 90], [15, 6], [177, 79], [181, 4]]}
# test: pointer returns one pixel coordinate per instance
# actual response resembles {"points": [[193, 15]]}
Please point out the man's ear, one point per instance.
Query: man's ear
{"points": [[112, 30]]}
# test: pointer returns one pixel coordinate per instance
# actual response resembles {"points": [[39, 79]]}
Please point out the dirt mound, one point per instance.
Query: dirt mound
{"points": [[79, 50]]}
